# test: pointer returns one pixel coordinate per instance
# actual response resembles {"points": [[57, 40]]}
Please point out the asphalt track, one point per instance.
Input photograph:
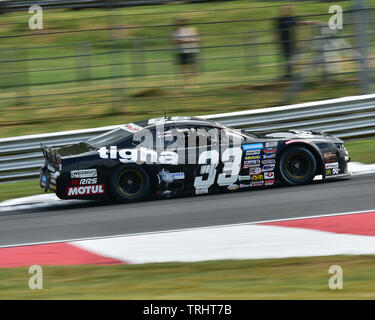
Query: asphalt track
{"points": [[96, 219]]}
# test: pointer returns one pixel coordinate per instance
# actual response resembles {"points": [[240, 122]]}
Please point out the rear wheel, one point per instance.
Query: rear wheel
{"points": [[130, 183], [297, 166]]}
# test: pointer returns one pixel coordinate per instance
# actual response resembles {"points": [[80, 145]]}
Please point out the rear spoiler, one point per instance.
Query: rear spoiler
{"points": [[50, 154]]}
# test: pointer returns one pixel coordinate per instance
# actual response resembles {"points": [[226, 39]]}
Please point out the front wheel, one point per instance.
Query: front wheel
{"points": [[297, 166], [130, 183]]}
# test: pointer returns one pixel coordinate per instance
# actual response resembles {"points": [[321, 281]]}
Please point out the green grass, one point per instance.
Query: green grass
{"points": [[292, 278], [231, 83], [360, 151]]}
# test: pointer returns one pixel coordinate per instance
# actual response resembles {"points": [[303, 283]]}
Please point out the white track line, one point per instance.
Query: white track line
{"points": [[184, 229]]}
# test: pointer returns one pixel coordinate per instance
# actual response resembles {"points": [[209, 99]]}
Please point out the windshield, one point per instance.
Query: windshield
{"points": [[109, 138]]}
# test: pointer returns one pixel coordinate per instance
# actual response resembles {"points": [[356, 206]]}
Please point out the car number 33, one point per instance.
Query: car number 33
{"points": [[231, 158]]}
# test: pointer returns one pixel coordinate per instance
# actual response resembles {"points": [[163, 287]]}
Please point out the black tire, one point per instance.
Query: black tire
{"points": [[129, 183], [297, 166]]}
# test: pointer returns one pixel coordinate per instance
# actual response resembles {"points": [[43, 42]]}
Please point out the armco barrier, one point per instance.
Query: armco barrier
{"points": [[346, 118]]}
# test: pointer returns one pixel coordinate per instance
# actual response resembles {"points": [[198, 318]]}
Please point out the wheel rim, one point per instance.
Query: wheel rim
{"points": [[130, 182], [298, 165]]}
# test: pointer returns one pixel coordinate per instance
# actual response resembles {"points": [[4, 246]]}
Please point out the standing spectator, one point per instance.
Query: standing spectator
{"points": [[186, 38], [286, 29]]}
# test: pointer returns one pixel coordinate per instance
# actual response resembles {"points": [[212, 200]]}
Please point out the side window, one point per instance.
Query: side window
{"points": [[164, 136], [199, 136]]}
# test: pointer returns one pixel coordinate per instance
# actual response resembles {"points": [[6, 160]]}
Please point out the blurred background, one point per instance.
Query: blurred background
{"points": [[99, 63]]}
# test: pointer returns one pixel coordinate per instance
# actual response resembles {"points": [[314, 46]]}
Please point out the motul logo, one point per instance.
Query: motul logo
{"points": [[85, 190]]}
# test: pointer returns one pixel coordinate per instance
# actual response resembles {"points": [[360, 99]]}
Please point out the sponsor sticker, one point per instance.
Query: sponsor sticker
{"points": [[178, 175], [253, 146], [252, 152], [332, 165], [269, 150], [271, 144], [256, 177], [256, 183], [88, 173], [255, 170], [269, 156], [243, 178], [330, 157], [132, 127], [269, 175], [252, 157], [270, 167], [50, 168], [244, 185], [85, 190], [269, 161], [252, 162], [269, 182], [85, 181]]}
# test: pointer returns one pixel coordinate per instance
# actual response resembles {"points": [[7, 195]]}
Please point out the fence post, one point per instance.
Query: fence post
{"points": [[361, 32], [83, 61]]}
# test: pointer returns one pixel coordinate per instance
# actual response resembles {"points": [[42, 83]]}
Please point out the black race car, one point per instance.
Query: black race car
{"points": [[164, 157]]}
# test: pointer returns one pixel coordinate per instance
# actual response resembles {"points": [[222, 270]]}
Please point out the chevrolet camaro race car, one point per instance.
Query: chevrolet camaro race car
{"points": [[169, 156]]}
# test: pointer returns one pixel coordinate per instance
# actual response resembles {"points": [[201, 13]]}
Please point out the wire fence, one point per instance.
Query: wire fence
{"points": [[119, 62]]}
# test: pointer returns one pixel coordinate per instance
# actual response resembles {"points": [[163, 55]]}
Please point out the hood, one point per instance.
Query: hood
{"points": [[293, 134]]}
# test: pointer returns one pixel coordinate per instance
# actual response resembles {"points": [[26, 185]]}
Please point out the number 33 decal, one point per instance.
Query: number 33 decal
{"points": [[232, 165]]}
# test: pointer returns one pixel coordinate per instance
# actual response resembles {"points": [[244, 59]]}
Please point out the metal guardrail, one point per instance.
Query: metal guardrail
{"points": [[16, 5], [346, 118]]}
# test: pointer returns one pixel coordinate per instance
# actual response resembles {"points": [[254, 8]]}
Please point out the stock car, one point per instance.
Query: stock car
{"points": [[168, 156]]}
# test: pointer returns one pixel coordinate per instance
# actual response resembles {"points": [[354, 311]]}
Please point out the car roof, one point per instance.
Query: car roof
{"points": [[178, 120]]}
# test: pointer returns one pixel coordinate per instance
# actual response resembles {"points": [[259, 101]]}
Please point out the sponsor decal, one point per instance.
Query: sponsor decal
{"points": [[332, 165], [246, 166], [86, 181], [255, 170], [201, 191], [252, 152], [269, 175], [333, 171], [244, 185], [50, 168], [256, 177], [252, 157], [53, 181], [243, 178], [85, 190], [132, 127], [88, 173], [271, 144], [270, 167], [233, 187], [330, 157], [269, 182], [256, 183], [253, 146], [138, 155], [270, 161], [269, 156], [269, 150], [178, 175], [252, 162]]}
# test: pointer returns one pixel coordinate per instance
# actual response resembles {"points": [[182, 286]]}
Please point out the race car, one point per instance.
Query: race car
{"points": [[170, 156]]}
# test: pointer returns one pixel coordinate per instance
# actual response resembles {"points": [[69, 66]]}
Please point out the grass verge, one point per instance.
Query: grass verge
{"points": [[361, 151], [290, 278]]}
